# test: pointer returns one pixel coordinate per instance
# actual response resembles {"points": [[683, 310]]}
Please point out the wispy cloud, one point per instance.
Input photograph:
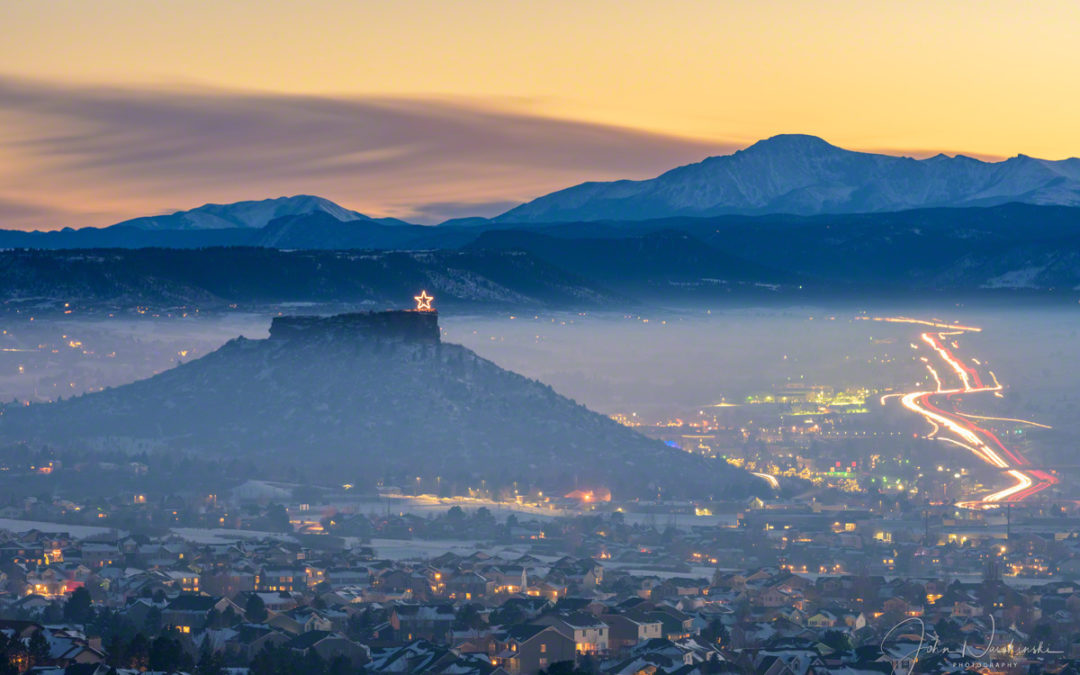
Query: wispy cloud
{"points": [[30, 215], [92, 151], [445, 210]]}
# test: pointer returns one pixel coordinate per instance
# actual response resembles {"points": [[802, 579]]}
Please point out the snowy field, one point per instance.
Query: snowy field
{"points": [[77, 531]]}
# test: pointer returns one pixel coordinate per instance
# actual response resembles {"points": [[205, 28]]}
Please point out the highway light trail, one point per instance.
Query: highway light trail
{"points": [[1006, 419], [923, 322], [937, 380], [961, 430], [771, 480], [1023, 483]]}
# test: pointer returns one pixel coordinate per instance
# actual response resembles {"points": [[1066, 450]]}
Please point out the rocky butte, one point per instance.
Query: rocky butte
{"points": [[372, 398], [407, 325]]}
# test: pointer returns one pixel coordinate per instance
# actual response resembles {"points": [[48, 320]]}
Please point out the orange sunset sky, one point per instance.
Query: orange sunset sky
{"points": [[426, 110]]}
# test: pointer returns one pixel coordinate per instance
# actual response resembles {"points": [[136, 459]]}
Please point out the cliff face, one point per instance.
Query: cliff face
{"points": [[406, 325], [375, 397]]}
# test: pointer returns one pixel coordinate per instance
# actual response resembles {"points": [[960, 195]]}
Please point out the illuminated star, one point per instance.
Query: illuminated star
{"points": [[423, 302]]}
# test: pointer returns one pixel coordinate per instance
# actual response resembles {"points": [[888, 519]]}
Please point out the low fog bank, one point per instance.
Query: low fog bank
{"points": [[666, 363], [658, 364], [42, 358]]}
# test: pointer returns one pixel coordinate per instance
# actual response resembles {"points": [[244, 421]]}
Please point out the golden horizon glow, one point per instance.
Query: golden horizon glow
{"points": [[991, 79]]}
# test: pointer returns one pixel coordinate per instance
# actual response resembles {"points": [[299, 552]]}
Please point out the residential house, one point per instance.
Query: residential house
{"points": [[589, 633], [528, 649]]}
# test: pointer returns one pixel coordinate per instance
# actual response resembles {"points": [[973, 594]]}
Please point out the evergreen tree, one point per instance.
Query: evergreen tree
{"points": [[456, 515], [137, 652], [716, 632], [210, 662], [153, 622], [7, 655], [284, 661], [54, 613], [564, 668], [167, 654], [79, 607], [312, 663], [508, 615], [116, 649], [835, 639], [277, 519], [229, 617], [469, 618], [38, 649], [255, 609], [340, 665], [10, 650]]}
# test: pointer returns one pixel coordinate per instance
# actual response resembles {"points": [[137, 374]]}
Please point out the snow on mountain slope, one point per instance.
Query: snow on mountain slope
{"points": [[805, 175], [248, 214]]}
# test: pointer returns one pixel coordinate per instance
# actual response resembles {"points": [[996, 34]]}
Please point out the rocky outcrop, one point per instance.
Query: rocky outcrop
{"points": [[407, 325], [375, 398]]}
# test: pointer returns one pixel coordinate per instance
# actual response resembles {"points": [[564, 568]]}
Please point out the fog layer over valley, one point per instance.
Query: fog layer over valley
{"points": [[664, 363], [373, 399], [43, 358], [658, 363], [647, 369]]}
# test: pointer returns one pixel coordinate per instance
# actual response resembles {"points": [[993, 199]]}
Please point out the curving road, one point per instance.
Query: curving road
{"points": [[940, 408]]}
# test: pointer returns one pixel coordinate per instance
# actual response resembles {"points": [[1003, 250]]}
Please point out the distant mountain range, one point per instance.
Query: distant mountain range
{"points": [[240, 224], [791, 215], [330, 401], [248, 214], [791, 174], [216, 277], [805, 175], [302, 221], [783, 258]]}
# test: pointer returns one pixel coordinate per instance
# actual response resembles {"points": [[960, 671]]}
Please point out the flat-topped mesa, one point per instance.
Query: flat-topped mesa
{"points": [[405, 325]]}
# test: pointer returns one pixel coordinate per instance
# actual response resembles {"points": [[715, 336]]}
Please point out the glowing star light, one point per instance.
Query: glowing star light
{"points": [[423, 302]]}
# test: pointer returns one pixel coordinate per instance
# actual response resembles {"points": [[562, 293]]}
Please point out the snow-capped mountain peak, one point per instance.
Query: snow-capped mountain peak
{"points": [[246, 214], [802, 174]]}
